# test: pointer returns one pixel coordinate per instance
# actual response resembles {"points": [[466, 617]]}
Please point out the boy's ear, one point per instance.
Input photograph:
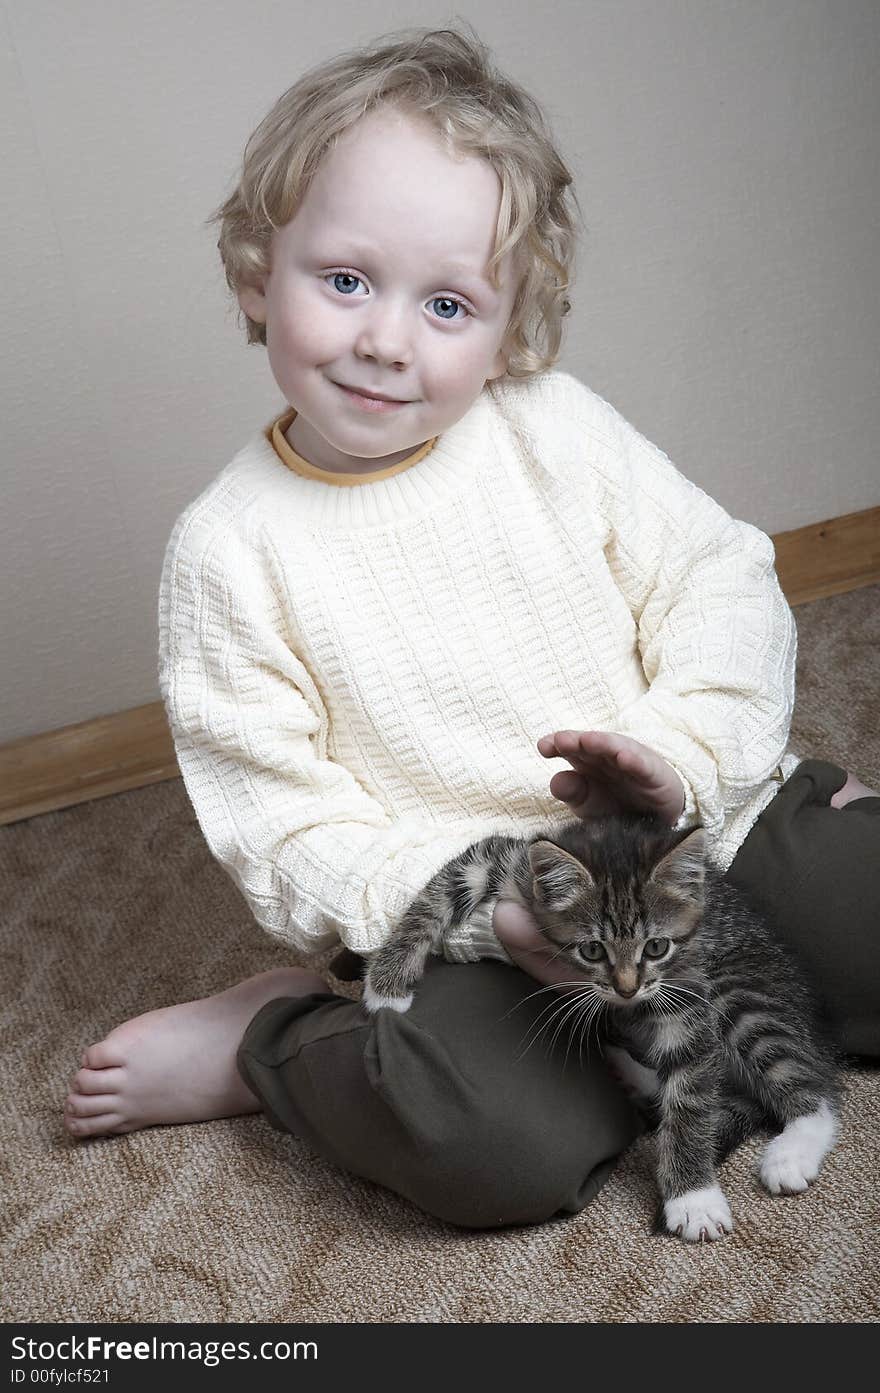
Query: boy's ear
{"points": [[252, 300]]}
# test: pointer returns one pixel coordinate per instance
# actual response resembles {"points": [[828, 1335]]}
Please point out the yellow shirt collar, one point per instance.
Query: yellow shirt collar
{"points": [[275, 434]]}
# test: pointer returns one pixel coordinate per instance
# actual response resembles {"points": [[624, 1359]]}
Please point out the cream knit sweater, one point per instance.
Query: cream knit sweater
{"points": [[356, 676]]}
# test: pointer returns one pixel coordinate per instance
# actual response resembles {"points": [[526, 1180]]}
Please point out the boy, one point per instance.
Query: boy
{"points": [[440, 552]]}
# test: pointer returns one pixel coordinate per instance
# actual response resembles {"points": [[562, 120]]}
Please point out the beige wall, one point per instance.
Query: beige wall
{"points": [[726, 158]]}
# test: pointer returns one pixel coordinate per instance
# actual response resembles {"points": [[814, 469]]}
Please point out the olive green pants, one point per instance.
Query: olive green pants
{"points": [[471, 1108]]}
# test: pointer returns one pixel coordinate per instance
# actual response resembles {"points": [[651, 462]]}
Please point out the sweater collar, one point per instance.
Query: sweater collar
{"points": [[276, 433], [428, 478]]}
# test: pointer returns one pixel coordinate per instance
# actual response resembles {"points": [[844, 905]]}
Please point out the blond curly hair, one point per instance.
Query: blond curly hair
{"points": [[446, 77]]}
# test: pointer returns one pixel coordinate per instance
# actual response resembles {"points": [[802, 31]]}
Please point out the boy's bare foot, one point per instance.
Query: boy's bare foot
{"points": [[852, 789], [176, 1064]]}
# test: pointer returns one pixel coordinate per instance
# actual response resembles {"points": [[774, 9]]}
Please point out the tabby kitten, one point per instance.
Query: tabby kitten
{"points": [[709, 1019]]}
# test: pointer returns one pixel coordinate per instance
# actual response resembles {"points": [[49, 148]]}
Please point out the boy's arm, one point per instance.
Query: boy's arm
{"points": [[716, 637], [314, 854]]}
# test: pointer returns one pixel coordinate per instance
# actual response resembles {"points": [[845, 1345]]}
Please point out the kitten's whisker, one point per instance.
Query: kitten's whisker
{"points": [[660, 1002], [567, 1020], [674, 1006], [545, 1025], [563, 1008], [543, 950], [558, 954], [594, 1015], [540, 1023], [575, 1005], [551, 987], [665, 999], [551, 1007], [588, 1006], [675, 986], [583, 1015]]}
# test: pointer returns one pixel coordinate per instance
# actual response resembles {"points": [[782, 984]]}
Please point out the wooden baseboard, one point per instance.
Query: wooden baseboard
{"points": [[93, 759], [829, 558], [112, 754]]}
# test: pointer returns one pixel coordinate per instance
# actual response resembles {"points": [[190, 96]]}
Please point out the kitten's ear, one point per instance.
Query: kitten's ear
{"points": [[683, 869], [559, 877]]}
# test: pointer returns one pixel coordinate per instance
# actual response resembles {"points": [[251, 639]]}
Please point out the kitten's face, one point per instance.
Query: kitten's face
{"points": [[625, 914]]}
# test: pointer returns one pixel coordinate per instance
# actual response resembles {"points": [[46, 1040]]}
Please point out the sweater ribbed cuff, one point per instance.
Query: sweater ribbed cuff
{"points": [[476, 939], [695, 768]]}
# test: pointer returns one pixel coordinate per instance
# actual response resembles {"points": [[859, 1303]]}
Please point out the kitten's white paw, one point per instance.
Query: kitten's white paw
{"points": [[791, 1160], [373, 1002], [700, 1215], [786, 1175]]}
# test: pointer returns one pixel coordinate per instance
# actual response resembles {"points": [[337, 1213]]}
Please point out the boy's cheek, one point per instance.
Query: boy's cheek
{"points": [[300, 335], [456, 374]]}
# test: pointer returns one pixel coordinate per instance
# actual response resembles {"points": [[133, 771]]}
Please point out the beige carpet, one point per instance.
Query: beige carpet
{"points": [[115, 906]]}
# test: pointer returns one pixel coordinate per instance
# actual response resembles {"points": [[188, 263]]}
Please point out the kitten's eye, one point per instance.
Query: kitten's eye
{"points": [[656, 947], [593, 952]]}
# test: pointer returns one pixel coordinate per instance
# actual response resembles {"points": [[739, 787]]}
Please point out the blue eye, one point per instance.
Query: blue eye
{"points": [[445, 300], [343, 276], [346, 282]]}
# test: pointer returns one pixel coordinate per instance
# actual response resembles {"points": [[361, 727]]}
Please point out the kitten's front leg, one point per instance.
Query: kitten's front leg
{"points": [[700, 1216], [449, 898], [694, 1205], [395, 968]]}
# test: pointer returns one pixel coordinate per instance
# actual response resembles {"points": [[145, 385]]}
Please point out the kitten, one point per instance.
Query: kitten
{"points": [[718, 1028]]}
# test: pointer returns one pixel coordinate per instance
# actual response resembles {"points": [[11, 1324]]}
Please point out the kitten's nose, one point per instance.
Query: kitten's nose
{"points": [[622, 991]]}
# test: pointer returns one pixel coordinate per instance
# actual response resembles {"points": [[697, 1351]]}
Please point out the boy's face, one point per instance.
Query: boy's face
{"points": [[363, 289]]}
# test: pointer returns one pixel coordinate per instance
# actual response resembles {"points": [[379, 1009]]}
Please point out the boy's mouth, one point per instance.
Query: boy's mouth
{"points": [[370, 403]]}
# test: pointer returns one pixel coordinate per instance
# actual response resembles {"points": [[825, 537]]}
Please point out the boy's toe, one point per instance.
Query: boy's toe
{"points": [[92, 1126], [97, 1081], [101, 1056], [93, 1105]]}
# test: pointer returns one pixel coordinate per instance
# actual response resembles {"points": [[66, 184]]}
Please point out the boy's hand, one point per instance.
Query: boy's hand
{"points": [[517, 930], [610, 774]]}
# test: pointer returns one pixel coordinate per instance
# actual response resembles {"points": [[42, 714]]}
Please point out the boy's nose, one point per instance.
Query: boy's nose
{"points": [[385, 340]]}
